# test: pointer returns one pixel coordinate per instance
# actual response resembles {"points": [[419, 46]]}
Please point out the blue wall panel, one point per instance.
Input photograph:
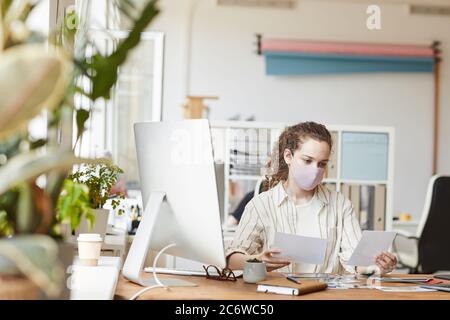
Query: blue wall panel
{"points": [[288, 63]]}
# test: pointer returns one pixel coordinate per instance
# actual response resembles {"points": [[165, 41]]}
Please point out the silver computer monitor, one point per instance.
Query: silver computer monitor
{"points": [[179, 193]]}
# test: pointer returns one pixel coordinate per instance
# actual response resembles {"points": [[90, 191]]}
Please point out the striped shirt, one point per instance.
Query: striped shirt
{"points": [[274, 211]]}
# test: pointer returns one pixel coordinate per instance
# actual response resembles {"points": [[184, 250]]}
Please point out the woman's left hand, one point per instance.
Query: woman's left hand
{"points": [[386, 262]]}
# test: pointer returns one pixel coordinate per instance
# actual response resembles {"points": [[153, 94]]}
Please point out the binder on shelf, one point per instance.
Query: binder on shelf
{"points": [[355, 199], [367, 207], [364, 219], [379, 207], [345, 189], [331, 171], [330, 186], [369, 204]]}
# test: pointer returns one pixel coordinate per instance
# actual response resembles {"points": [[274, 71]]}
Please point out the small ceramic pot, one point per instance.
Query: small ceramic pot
{"points": [[254, 272]]}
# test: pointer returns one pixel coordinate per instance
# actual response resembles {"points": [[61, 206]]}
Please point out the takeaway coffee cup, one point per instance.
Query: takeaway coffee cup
{"points": [[89, 247]]}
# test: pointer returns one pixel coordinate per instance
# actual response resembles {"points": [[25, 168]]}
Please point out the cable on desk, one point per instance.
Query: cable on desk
{"points": [[159, 284]]}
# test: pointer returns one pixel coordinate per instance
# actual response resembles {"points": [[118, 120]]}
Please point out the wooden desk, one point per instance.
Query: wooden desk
{"points": [[228, 290]]}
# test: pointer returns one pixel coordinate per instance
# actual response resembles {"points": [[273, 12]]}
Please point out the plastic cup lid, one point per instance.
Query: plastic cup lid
{"points": [[91, 237]]}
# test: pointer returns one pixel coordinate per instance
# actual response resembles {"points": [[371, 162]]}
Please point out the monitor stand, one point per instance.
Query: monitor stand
{"points": [[134, 263]]}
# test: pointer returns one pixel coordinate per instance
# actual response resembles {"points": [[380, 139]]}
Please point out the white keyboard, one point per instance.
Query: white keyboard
{"points": [[179, 272]]}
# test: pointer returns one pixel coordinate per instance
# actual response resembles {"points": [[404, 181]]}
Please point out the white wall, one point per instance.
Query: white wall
{"points": [[222, 62]]}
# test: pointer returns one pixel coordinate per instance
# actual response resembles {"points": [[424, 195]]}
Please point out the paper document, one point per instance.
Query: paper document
{"points": [[370, 246], [403, 289], [403, 280], [300, 249]]}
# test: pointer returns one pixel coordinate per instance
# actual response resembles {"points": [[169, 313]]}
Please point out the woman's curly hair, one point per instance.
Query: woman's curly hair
{"points": [[292, 138]]}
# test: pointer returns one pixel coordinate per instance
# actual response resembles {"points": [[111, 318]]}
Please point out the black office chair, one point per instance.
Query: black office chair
{"points": [[432, 240]]}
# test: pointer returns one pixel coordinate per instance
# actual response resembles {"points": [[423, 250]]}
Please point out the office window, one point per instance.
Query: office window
{"points": [[136, 97]]}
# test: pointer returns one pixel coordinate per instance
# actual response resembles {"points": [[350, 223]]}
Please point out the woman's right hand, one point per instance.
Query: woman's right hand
{"points": [[271, 262]]}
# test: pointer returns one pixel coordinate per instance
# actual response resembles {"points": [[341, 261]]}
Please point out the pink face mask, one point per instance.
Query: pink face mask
{"points": [[307, 177]]}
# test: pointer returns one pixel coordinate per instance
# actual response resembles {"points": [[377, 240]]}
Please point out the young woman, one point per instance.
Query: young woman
{"points": [[297, 203]]}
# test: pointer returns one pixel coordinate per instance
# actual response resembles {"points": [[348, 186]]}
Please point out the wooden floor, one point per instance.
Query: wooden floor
{"points": [[228, 290]]}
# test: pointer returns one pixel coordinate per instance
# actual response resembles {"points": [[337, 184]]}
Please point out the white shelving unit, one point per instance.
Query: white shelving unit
{"points": [[223, 133]]}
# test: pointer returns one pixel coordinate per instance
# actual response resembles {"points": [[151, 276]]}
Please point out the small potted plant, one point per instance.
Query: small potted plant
{"points": [[254, 260], [72, 207], [254, 270], [99, 180]]}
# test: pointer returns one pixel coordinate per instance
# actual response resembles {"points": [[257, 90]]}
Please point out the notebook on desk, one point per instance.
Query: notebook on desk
{"points": [[95, 283], [284, 286]]}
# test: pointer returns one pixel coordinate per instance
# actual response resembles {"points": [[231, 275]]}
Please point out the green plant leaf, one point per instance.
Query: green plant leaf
{"points": [[13, 10], [106, 68], [90, 219], [4, 6], [99, 178], [81, 116], [73, 204], [36, 257], [37, 78], [25, 210], [6, 228], [10, 146], [34, 163], [38, 143]]}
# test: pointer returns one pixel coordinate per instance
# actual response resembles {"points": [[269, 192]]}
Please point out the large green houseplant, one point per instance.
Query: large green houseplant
{"points": [[38, 76]]}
